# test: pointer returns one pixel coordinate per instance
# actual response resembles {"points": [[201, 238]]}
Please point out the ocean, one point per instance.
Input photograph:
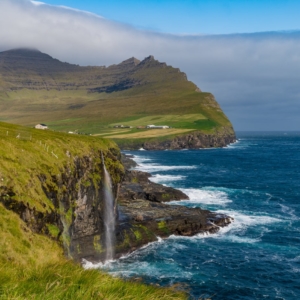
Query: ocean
{"points": [[257, 182]]}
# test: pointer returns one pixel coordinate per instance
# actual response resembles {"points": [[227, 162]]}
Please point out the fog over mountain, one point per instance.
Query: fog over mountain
{"points": [[255, 77]]}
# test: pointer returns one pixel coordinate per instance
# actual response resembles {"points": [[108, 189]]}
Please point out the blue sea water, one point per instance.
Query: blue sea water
{"points": [[257, 182]]}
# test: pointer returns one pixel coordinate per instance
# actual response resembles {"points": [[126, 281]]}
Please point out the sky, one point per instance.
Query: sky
{"points": [[246, 52]]}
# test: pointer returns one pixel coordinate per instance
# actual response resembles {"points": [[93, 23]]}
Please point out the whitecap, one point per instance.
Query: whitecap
{"points": [[289, 211], [240, 239], [87, 265], [147, 246], [141, 159], [156, 167], [166, 178], [242, 221], [204, 196]]}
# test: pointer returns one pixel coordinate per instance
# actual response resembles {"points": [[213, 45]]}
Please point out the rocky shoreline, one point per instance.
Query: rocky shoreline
{"points": [[193, 140], [143, 216]]}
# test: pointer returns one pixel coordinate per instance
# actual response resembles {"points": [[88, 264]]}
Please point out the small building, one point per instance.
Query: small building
{"points": [[41, 126], [122, 126], [157, 127]]}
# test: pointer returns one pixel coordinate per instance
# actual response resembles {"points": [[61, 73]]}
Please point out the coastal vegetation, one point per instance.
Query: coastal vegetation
{"points": [[33, 262], [51, 201]]}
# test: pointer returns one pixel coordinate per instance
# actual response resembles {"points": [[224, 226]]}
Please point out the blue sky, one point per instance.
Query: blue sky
{"points": [[246, 53], [197, 16]]}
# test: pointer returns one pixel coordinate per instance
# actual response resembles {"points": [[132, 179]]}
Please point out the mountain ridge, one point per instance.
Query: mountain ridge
{"points": [[34, 87]]}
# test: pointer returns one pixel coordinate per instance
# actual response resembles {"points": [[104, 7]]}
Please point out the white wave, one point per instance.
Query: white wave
{"points": [[243, 221], [166, 178], [109, 263], [141, 268], [204, 196], [156, 167], [142, 149], [149, 245], [240, 239], [100, 265], [239, 144], [289, 211], [140, 159]]}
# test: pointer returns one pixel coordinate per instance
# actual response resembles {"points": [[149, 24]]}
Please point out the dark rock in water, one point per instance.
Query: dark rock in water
{"points": [[136, 185], [143, 218], [143, 221], [163, 219]]}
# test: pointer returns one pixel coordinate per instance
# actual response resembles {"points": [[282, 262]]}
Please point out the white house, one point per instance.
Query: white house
{"points": [[157, 127], [41, 126]]}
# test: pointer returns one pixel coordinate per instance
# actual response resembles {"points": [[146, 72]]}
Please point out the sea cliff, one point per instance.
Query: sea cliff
{"points": [[60, 194]]}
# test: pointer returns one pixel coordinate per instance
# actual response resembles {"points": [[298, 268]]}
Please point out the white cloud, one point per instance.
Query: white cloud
{"points": [[253, 76]]}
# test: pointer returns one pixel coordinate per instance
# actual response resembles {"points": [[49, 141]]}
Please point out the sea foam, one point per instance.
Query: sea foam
{"points": [[203, 196], [157, 178]]}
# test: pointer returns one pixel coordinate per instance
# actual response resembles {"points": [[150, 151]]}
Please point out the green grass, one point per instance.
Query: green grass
{"points": [[27, 153], [33, 266], [164, 120]]}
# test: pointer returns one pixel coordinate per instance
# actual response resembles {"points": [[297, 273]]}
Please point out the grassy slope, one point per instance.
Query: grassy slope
{"points": [[61, 99], [32, 266]]}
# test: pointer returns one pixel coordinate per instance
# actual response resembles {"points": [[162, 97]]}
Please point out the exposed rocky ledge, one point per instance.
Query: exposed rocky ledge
{"points": [[141, 215], [194, 140], [136, 185]]}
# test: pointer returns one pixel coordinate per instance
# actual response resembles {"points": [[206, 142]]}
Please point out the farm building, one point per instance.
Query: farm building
{"points": [[122, 126], [157, 127], [41, 126]]}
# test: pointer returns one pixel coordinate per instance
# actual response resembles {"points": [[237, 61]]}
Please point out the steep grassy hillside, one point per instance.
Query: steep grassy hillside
{"points": [[32, 260], [36, 88]]}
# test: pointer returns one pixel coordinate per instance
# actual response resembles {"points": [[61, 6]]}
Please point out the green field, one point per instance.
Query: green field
{"points": [[91, 100]]}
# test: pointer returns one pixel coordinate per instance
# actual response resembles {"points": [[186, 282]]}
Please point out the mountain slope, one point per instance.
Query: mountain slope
{"points": [[35, 88]]}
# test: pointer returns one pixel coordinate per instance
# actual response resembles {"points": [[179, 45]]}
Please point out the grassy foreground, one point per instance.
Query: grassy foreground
{"points": [[33, 266]]}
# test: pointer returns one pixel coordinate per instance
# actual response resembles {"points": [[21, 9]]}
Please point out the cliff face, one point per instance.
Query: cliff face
{"points": [[60, 194], [82, 202], [76, 219], [194, 140]]}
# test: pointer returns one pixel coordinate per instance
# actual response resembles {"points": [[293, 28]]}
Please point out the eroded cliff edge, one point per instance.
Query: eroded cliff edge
{"points": [[58, 192], [141, 217]]}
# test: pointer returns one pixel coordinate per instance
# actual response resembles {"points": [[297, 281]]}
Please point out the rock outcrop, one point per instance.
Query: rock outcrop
{"points": [[143, 218], [65, 196], [194, 140]]}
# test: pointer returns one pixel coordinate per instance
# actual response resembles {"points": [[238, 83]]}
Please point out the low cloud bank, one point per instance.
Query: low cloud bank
{"points": [[255, 77]]}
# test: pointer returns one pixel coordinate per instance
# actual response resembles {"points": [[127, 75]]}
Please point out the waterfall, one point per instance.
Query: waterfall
{"points": [[108, 214]]}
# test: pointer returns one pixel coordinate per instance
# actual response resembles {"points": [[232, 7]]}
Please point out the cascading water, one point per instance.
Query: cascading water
{"points": [[108, 214]]}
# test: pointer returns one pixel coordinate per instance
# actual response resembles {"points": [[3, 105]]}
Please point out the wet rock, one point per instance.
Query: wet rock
{"points": [[136, 185], [143, 217]]}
